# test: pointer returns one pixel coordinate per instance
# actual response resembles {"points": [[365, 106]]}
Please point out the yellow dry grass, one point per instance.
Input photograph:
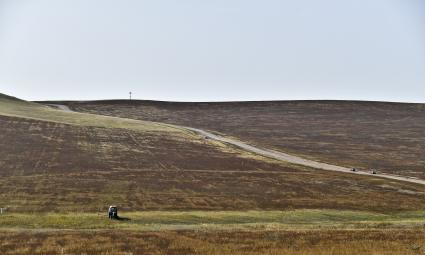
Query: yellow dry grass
{"points": [[29, 110], [313, 242]]}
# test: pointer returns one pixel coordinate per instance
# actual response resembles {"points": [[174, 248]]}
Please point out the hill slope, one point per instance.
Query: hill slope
{"points": [[57, 161], [10, 106], [387, 136]]}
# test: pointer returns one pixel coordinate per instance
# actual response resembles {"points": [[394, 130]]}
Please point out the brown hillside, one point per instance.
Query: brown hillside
{"points": [[387, 136], [47, 166]]}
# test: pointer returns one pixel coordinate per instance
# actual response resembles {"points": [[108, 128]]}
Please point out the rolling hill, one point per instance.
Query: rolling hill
{"points": [[180, 193], [389, 137], [54, 160]]}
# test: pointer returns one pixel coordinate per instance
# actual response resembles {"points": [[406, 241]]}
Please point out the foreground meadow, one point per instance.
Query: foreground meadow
{"points": [[312, 242], [299, 232]]}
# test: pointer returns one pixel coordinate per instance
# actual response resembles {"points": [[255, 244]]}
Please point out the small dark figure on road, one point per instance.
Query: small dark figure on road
{"points": [[113, 212], [373, 171], [353, 169]]}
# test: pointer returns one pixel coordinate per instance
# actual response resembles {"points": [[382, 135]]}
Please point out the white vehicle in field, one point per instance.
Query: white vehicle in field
{"points": [[113, 212]]}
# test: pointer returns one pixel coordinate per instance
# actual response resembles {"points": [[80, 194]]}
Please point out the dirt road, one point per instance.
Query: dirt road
{"points": [[280, 155], [298, 160], [60, 107]]}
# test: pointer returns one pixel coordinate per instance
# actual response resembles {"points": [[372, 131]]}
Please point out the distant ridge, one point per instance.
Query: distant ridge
{"points": [[251, 102], [4, 96]]}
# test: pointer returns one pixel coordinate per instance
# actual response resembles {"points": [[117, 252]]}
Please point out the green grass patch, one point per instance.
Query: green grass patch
{"points": [[159, 220]]}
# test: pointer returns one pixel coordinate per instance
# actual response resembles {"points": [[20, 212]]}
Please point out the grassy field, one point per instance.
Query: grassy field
{"points": [[237, 232], [181, 194], [50, 166], [305, 242], [216, 220], [17, 108], [386, 136], [54, 167]]}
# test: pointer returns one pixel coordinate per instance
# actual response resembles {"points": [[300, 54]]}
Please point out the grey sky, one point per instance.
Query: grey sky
{"points": [[192, 50]]}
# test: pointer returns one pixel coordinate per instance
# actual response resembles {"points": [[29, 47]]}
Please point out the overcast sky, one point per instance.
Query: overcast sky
{"points": [[212, 50]]}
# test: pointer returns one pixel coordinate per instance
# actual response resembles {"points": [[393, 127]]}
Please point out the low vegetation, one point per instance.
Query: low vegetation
{"points": [[54, 167], [216, 220], [254, 242], [387, 136], [49, 166], [302, 232], [18, 108], [181, 194]]}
